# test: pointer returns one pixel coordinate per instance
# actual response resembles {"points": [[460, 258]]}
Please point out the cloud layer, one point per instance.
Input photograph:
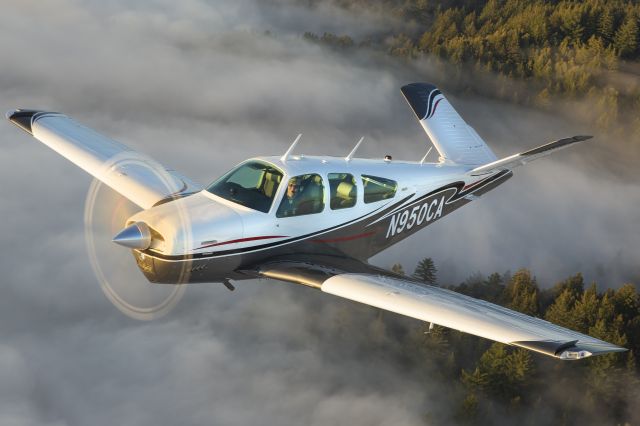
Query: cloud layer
{"points": [[200, 86]]}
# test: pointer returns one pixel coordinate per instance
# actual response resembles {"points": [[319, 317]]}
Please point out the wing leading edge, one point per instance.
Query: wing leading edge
{"points": [[385, 290], [136, 176]]}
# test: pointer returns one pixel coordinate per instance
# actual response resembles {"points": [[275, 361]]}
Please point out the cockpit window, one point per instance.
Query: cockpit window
{"points": [[252, 185], [378, 188], [343, 190], [304, 195]]}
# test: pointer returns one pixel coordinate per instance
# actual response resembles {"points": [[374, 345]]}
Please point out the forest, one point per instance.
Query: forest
{"points": [[536, 53], [572, 50], [491, 383]]}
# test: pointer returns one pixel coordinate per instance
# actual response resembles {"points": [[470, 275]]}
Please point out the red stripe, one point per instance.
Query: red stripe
{"points": [[348, 238], [472, 185], [242, 240]]}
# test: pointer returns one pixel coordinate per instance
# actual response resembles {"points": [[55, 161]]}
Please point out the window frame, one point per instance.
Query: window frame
{"points": [[356, 185], [283, 194], [364, 188], [239, 165]]}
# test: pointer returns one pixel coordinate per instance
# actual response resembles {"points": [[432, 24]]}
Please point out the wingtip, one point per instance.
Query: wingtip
{"points": [[569, 350], [22, 118], [581, 138]]}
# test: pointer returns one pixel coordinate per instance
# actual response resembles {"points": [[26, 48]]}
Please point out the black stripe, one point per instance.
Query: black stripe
{"points": [[372, 215], [432, 97], [268, 245]]}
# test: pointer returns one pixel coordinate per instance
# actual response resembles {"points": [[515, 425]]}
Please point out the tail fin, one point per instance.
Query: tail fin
{"points": [[455, 140]]}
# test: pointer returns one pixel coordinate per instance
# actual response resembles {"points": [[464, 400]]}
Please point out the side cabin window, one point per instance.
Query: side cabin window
{"points": [[342, 187], [253, 184], [304, 195], [378, 188]]}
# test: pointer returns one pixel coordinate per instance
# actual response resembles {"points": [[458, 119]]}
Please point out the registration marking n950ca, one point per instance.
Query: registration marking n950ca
{"points": [[418, 215]]}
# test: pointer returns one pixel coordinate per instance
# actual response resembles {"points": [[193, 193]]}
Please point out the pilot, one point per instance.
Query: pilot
{"points": [[291, 201]]}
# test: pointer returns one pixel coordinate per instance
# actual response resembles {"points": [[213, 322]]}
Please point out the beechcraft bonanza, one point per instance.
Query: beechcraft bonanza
{"points": [[315, 220]]}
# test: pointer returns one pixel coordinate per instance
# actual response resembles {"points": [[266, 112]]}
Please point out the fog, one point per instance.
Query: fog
{"points": [[201, 86]]}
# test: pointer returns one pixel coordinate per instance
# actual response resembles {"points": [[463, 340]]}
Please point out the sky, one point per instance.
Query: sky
{"points": [[201, 86]]}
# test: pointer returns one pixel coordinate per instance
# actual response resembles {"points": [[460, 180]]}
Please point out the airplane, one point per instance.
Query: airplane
{"points": [[316, 220]]}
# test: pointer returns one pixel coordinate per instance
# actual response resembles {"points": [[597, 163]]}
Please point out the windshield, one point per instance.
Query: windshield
{"points": [[252, 185]]}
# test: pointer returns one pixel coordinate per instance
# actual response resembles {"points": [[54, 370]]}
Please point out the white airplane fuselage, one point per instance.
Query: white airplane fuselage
{"points": [[209, 238]]}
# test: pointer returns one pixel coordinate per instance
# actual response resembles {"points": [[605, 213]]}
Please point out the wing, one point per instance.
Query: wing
{"points": [[388, 291], [522, 158], [136, 176]]}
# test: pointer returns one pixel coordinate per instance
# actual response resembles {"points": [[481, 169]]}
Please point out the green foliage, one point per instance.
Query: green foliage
{"points": [[331, 40], [501, 374], [521, 294], [426, 271], [489, 382], [626, 38], [509, 378], [560, 48]]}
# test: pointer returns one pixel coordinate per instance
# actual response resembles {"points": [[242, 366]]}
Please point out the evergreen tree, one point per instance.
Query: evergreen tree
{"points": [[561, 310], [627, 304], [586, 309], [493, 288], [626, 38], [572, 286], [522, 293], [501, 373], [426, 271], [605, 26]]}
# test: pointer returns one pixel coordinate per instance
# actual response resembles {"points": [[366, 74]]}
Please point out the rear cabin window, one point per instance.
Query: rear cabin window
{"points": [[253, 184], [378, 188], [304, 195], [342, 187]]}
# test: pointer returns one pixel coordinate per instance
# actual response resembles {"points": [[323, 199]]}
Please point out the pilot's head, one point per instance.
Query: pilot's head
{"points": [[293, 187]]}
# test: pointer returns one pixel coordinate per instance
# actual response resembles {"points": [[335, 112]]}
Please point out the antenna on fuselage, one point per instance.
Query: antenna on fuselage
{"points": [[425, 156], [353, 151], [293, 145]]}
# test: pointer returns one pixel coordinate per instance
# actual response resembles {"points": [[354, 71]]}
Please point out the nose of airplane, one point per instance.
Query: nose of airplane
{"points": [[135, 236]]}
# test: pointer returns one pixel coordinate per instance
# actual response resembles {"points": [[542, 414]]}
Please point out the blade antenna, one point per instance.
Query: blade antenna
{"points": [[425, 156], [353, 151], [293, 145]]}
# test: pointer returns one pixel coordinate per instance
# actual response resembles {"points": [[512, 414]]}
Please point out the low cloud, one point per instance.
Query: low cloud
{"points": [[200, 86]]}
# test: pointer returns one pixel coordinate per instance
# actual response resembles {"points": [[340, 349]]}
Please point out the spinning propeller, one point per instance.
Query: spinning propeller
{"points": [[106, 222]]}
